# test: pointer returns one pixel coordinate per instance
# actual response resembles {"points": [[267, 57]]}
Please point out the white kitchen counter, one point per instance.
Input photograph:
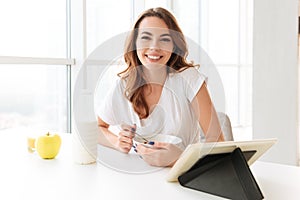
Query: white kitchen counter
{"points": [[27, 176]]}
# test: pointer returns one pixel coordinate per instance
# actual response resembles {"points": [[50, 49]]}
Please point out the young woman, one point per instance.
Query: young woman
{"points": [[159, 92]]}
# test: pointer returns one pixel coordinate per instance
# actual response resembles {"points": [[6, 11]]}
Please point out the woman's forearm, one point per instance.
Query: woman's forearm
{"points": [[105, 136]]}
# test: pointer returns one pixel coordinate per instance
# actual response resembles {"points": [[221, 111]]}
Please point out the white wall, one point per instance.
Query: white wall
{"points": [[275, 77]]}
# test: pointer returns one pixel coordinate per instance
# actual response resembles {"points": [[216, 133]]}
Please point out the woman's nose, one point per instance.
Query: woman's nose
{"points": [[154, 45]]}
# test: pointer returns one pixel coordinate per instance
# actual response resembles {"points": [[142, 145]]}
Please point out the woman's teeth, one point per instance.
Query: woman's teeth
{"points": [[153, 57]]}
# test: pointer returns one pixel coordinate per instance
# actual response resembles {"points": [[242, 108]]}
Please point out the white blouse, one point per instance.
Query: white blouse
{"points": [[173, 113]]}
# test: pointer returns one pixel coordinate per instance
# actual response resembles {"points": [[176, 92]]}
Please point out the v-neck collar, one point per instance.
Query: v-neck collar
{"points": [[134, 115]]}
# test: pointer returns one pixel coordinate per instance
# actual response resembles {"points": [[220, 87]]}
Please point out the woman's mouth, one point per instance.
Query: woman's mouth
{"points": [[153, 57]]}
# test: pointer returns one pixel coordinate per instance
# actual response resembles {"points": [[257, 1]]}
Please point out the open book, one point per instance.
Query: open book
{"points": [[196, 151]]}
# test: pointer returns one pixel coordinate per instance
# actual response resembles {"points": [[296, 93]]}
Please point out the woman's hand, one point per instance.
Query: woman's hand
{"points": [[160, 154], [124, 141]]}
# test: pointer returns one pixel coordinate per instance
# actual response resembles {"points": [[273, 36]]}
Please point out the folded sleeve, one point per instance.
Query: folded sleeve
{"points": [[107, 110], [192, 79]]}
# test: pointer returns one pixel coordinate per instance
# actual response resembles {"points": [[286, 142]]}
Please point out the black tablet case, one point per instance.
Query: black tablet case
{"points": [[226, 174]]}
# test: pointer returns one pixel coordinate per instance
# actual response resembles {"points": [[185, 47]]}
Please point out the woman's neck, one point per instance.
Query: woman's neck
{"points": [[156, 76]]}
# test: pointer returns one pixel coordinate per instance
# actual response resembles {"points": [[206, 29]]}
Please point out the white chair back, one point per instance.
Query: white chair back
{"points": [[225, 126]]}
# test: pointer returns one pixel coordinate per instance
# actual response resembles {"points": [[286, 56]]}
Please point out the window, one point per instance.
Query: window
{"points": [[31, 29], [224, 30], [33, 95], [34, 65]]}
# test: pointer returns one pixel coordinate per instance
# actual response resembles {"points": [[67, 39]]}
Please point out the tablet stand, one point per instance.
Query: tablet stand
{"points": [[226, 174]]}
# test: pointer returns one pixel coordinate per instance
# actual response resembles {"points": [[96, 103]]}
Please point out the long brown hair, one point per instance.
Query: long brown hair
{"points": [[133, 74]]}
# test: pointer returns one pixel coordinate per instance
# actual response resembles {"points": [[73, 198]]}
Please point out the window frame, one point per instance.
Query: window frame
{"points": [[66, 62]]}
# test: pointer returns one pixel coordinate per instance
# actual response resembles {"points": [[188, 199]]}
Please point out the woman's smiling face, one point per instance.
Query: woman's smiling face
{"points": [[154, 44]]}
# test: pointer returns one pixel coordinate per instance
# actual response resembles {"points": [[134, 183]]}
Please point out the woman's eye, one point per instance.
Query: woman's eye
{"points": [[166, 39], [145, 38]]}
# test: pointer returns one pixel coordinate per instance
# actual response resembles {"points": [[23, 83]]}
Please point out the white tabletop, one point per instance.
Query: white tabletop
{"points": [[27, 176]]}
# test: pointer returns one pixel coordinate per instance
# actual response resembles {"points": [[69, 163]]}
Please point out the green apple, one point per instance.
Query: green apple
{"points": [[48, 145]]}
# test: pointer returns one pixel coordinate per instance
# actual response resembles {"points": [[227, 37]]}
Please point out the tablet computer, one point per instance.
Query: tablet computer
{"points": [[194, 152]]}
